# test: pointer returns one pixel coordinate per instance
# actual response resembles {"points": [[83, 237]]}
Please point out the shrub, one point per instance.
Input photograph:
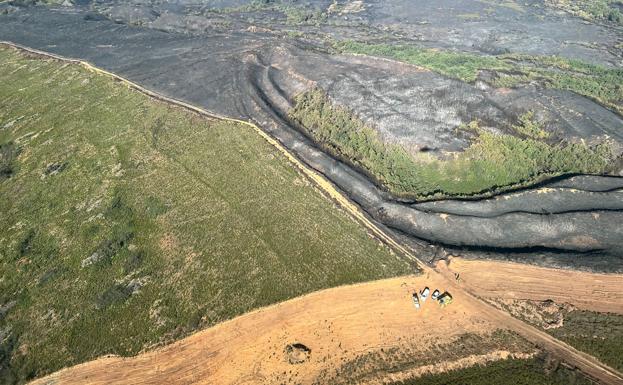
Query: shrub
{"points": [[530, 128], [492, 162], [8, 157]]}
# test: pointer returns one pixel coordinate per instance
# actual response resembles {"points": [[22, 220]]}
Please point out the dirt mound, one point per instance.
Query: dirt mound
{"points": [[297, 353], [545, 314]]}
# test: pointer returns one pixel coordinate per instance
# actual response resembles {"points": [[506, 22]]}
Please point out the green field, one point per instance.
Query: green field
{"points": [[492, 162], [127, 222]]}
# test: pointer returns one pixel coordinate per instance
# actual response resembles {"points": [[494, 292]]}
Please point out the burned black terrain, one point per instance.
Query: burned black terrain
{"points": [[434, 79]]}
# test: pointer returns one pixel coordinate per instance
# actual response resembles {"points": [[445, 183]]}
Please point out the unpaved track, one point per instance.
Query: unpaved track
{"points": [[336, 324], [582, 361], [587, 291]]}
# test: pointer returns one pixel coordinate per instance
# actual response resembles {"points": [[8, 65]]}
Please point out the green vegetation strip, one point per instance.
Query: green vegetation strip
{"points": [[402, 359], [604, 85], [127, 222], [453, 64], [491, 163], [598, 334], [511, 371], [593, 10]]}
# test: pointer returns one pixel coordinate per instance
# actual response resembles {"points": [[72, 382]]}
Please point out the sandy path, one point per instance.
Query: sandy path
{"points": [[587, 291], [336, 324]]}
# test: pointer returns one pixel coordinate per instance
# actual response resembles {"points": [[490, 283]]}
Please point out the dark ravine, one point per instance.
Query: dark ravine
{"points": [[252, 77]]}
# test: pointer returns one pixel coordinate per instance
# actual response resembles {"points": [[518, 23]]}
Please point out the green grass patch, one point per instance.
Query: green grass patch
{"points": [[491, 163], [34, 2], [604, 85], [453, 64], [127, 222], [470, 16], [510, 4]]}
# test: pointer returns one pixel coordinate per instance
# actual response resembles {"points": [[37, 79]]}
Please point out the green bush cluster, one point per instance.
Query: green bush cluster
{"points": [[529, 128], [510, 371], [8, 154], [490, 163], [598, 334], [295, 14], [602, 10]]}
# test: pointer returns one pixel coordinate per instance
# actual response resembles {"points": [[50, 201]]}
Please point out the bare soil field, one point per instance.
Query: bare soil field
{"points": [[582, 309], [587, 291], [335, 325], [336, 333]]}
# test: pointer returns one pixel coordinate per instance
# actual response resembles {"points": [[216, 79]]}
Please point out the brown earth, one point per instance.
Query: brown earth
{"points": [[341, 324], [337, 325], [506, 280]]}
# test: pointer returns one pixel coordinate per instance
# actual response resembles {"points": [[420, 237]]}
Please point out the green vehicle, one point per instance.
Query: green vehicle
{"points": [[445, 299]]}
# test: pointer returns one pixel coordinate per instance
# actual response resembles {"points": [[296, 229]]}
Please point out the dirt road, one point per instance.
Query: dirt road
{"points": [[337, 324], [584, 362], [201, 356]]}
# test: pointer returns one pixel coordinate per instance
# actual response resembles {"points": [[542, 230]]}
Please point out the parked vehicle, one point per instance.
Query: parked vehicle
{"points": [[424, 294], [416, 301], [435, 295], [445, 299]]}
